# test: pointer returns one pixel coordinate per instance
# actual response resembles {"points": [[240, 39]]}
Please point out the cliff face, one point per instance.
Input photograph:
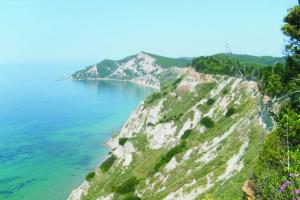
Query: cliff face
{"points": [[143, 68], [198, 137]]}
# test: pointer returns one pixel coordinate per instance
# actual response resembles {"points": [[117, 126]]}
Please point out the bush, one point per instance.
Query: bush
{"points": [[122, 141], [210, 102], [169, 155], [207, 122], [230, 112], [150, 124], [269, 172], [106, 165], [225, 91], [127, 186], [176, 82], [186, 134], [90, 176], [152, 98]]}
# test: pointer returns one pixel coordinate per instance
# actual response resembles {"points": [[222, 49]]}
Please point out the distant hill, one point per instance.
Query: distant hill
{"points": [[143, 68], [256, 60], [231, 64], [154, 70]]}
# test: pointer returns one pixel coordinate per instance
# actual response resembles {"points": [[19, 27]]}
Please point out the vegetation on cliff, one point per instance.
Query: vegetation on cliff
{"points": [[276, 174]]}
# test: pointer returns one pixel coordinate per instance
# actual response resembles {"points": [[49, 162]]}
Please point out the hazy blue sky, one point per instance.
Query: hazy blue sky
{"points": [[87, 30]]}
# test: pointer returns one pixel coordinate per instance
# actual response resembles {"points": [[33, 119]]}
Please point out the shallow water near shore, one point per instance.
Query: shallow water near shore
{"points": [[52, 132]]}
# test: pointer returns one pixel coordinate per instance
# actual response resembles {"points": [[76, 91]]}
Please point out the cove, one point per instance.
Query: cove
{"points": [[52, 132]]}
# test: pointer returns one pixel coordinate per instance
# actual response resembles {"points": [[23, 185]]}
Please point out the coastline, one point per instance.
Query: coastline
{"points": [[119, 80], [82, 189]]}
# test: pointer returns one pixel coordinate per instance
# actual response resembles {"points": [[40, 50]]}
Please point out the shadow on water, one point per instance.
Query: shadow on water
{"points": [[118, 86]]}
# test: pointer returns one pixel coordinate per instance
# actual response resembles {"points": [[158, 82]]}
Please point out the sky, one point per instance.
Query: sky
{"points": [[92, 30]]}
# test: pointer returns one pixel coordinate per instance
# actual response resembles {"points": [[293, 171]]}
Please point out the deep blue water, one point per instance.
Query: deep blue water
{"points": [[52, 132]]}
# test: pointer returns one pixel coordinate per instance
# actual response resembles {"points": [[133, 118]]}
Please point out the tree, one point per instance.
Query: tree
{"points": [[276, 175], [291, 29]]}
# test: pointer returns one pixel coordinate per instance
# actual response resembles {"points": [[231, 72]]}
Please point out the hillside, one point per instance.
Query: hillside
{"points": [[197, 137], [143, 68], [232, 64], [254, 60], [154, 71]]}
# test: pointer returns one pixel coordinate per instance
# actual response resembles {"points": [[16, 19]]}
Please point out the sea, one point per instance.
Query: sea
{"points": [[53, 129]]}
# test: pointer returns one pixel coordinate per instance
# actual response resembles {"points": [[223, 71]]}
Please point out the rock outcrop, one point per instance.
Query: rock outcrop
{"points": [[144, 69]]}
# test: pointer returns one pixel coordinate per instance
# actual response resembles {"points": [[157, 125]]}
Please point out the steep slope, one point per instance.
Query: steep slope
{"points": [[143, 68], [198, 136]]}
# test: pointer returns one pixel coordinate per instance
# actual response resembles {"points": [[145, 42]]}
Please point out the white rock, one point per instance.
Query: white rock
{"points": [[161, 134], [108, 197], [154, 112], [79, 192], [125, 153], [234, 164], [171, 165]]}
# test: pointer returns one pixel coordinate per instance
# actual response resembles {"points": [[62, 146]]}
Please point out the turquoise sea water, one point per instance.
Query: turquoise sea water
{"points": [[52, 133]]}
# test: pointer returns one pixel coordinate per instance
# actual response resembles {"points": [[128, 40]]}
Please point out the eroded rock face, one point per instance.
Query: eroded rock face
{"points": [[79, 192], [211, 157], [144, 69]]}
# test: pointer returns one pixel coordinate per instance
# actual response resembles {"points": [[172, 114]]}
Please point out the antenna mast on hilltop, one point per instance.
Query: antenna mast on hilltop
{"points": [[227, 48], [229, 52]]}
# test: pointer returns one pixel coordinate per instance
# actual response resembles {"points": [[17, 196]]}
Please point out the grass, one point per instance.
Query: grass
{"points": [[176, 109], [140, 142]]}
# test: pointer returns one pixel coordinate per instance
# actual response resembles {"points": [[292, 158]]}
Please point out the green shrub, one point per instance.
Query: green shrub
{"points": [[210, 101], [176, 82], [152, 98], [230, 112], [106, 165], [122, 141], [186, 134], [127, 186], [169, 155], [269, 172], [90, 176], [207, 122], [150, 124], [225, 91]]}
